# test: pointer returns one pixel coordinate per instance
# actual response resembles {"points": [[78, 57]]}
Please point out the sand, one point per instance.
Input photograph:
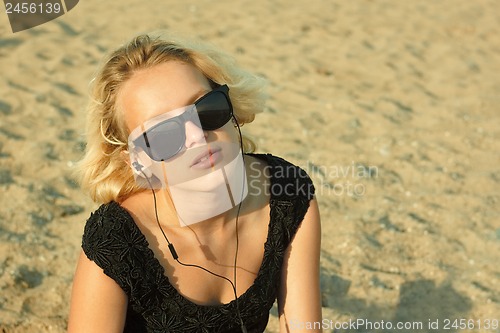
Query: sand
{"points": [[391, 106]]}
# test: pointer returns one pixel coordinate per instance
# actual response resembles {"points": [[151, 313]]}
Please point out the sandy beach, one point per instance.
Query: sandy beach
{"points": [[392, 107]]}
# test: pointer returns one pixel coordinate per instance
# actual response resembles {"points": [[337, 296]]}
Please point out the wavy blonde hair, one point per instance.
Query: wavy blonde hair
{"points": [[103, 171]]}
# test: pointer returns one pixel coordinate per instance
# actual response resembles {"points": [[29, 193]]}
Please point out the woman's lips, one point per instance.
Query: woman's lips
{"points": [[207, 159]]}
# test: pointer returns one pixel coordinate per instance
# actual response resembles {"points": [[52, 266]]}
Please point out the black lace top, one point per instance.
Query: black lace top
{"points": [[114, 242]]}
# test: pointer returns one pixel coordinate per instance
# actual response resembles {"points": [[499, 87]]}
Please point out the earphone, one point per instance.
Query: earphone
{"points": [[145, 173], [138, 167]]}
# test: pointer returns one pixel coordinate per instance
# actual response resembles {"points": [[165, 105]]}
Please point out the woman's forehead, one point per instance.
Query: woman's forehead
{"points": [[160, 89]]}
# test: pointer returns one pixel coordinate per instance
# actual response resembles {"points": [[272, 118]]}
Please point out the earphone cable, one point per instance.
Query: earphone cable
{"points": [[243, 328], [176, 258], [174, 253]]}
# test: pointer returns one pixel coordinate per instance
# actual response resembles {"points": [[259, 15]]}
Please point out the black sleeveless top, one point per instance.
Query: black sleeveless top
{"points": [[114, 242]]}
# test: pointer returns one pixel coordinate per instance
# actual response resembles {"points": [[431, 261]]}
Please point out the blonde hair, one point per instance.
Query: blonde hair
{"points": [[103, 171]]}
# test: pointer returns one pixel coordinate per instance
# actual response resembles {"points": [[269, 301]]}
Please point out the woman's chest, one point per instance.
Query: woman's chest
{"points": [[209, 266]]}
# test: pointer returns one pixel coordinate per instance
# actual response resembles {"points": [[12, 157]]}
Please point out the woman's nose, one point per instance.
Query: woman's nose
{"points": [[195, 136]]}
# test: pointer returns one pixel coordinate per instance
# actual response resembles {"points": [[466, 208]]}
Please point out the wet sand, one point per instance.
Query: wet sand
{"points": [[391, 106]]}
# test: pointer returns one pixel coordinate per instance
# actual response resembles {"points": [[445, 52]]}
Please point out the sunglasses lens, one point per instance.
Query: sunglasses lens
{"points": [[164, 140], [214, 110]]}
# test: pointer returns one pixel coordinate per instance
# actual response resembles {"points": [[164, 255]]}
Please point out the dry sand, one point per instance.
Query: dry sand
{"points": [[392, 107]]}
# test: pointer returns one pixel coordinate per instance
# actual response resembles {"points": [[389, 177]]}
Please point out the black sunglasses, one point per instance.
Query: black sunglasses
{"points": [[167, 138]]}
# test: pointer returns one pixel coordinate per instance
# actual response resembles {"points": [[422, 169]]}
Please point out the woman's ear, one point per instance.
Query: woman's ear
{"points": [[133, 162], [138, 167]]}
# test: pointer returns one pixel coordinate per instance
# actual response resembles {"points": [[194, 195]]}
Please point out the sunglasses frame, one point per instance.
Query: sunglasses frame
{"points": [[181, 120]]}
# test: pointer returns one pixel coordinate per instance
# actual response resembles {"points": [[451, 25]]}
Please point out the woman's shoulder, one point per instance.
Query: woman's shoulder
{"points": [[106, 215], [108, 222], [111, 240]]}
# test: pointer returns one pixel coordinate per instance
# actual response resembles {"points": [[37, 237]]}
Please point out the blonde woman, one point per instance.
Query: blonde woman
{"points": [[195, 233]]}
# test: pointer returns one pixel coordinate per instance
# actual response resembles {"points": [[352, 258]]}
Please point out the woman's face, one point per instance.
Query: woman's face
{"points": [[162, 92]]}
